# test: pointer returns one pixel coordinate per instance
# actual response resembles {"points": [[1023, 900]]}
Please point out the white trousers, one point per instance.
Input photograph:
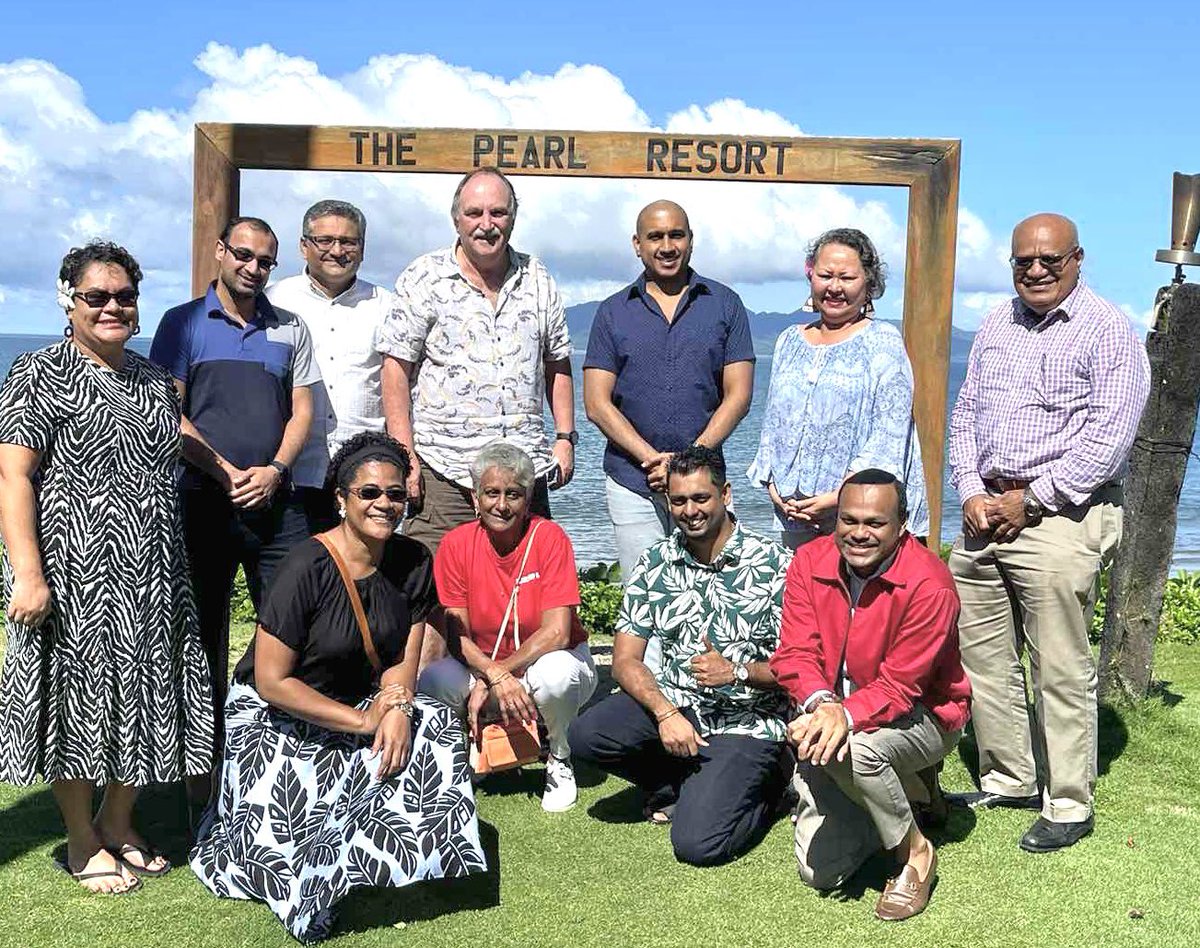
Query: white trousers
{"points": [[560, 683]]}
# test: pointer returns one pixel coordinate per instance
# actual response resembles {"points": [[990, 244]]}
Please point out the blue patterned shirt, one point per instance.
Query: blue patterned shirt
{"points": [[836, 409]]}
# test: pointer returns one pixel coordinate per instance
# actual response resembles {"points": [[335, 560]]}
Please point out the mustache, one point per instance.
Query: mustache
{"points": [[487, 233]]}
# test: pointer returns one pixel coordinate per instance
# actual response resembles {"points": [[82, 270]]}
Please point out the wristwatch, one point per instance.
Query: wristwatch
{"points": [[741, 672], [1033, 507], [572, 436], [281, 468]]}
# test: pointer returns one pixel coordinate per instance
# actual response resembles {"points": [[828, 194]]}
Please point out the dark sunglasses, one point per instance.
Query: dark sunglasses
{"points": [[326, 243], [245, 255], [1051, 261], [397, 495], [98, 299]]}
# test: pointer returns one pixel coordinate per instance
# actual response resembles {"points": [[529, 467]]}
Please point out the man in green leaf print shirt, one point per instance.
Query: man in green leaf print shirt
{"points": [[704, 737]]}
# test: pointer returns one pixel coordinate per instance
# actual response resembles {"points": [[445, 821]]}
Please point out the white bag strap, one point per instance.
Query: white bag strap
{"points": [[512, 600]]}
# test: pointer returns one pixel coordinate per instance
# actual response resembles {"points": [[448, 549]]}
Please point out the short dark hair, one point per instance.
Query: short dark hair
{"points": [[874, 269], [331, 208], [254, 223], [471, 175], [78, 259], [874, 475], [361, 448], [694, 458]]}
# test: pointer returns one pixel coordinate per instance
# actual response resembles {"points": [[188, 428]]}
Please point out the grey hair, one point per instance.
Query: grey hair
{"points": [[874, 269], [507, 457], [342, 209], [467, 178]]}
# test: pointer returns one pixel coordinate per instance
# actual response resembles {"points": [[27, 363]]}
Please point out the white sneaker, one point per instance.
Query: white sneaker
{"points": [[560, 793]]}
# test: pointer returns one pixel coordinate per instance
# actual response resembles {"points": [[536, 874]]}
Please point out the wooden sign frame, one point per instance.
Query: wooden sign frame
{"points": [[929, 168]]}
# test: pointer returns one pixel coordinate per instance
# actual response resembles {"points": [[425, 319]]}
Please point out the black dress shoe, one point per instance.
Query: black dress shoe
{"points": [[1046, 837], [982, 800]]}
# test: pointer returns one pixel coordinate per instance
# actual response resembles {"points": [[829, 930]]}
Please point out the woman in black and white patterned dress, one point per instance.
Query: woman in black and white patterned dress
{"points": [[104, 679], [333, 780]]}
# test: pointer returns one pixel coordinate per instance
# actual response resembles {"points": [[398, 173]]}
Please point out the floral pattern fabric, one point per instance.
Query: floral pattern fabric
{"points": [[480, 369], [833, 410], [302, 819], [735, 603]]}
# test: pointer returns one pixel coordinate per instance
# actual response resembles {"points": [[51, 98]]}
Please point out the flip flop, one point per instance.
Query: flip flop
{"points": [[82, 877], [147, 855]]}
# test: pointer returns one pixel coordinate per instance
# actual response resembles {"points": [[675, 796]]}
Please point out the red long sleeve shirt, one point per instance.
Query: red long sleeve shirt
{"points": [[901, 640]]}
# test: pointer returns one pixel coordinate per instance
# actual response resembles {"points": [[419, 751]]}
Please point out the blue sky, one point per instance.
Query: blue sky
{"points": [[1079, 108]]}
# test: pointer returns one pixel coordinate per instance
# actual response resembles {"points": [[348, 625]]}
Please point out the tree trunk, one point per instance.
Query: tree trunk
{"points": [[1157, 466]]}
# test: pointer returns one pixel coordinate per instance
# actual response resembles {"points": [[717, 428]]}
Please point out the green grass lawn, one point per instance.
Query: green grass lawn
{"points": [[599, 876]]}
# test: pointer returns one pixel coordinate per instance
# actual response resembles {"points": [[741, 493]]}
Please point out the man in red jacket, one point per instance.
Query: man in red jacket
{"points": [[869, 653]]}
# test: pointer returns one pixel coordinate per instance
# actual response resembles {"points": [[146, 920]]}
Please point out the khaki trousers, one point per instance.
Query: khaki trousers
{"points": [[848, 811], [1035, 595]]}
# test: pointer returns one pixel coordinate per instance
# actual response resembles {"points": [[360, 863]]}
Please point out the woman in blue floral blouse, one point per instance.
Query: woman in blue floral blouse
{"points": [[840, 398]]}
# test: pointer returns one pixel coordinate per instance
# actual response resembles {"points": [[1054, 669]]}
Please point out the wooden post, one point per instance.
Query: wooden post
{"points": [[215, 196], [928, 295], [1157, 466]]}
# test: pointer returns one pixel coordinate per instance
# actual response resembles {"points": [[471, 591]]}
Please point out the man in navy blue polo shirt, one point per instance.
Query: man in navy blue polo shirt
{"points": [[670, 363], [244, 370]]}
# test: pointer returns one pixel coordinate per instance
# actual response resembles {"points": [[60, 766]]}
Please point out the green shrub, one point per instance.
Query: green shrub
{"points": [[1181, 609], [1180, 620], [600, 593], [599, 605], [241, 608]]}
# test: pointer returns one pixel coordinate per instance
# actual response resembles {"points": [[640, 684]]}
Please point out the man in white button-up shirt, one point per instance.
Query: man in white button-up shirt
{"points": [[343, 314]]}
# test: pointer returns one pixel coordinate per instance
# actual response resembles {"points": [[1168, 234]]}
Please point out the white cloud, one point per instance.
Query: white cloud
{"points": [[67, 176], [1142, 320]]}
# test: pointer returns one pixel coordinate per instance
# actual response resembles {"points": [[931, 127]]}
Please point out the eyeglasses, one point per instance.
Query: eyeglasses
{"points": [[245, 255], [98, 299], [1053, 262], [397, 495], [323, 242]]}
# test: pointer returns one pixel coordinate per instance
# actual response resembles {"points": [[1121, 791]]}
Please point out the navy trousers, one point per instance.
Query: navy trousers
{"points": [[219, 538], [726, 796]]}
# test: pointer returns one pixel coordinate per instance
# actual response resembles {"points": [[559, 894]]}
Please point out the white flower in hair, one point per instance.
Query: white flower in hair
{"points": [[66, 296]]}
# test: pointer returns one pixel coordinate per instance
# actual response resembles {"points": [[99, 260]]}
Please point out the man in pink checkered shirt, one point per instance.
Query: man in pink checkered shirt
{"points": [[1039, 443]]}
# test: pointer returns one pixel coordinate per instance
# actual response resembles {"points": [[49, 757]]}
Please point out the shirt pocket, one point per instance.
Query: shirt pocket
{"points": [[277, 359], [1060, 381]]}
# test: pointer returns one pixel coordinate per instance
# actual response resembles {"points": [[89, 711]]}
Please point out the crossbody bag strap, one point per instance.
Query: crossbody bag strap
{"points": [[512, 600], [360, 614]]}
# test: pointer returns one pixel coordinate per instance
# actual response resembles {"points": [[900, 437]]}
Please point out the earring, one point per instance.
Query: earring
{"points": [[342, 512], [136, 329], [68, 331]]}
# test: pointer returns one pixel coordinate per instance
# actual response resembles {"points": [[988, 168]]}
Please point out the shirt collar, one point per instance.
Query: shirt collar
{"points": [[827, 564], [315, 289], [730, 553], [1064, 310], [446, 264], [696, 285], [264, 312]]}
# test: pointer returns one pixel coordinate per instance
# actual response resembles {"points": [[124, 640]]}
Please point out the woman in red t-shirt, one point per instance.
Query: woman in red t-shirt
{"points": [[510, 592]]}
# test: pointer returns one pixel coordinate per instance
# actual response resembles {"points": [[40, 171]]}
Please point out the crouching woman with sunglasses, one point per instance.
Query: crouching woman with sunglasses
{"points": [[334, 775]]}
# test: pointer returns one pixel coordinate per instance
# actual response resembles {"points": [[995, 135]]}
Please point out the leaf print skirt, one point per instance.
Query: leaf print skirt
{"points": [[301, 818]]}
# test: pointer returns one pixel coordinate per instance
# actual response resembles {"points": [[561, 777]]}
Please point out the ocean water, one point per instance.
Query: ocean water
{"points": [[580, 506]]}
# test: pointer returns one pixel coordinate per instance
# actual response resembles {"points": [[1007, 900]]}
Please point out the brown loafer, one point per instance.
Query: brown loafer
{"points": [[906, 894]]}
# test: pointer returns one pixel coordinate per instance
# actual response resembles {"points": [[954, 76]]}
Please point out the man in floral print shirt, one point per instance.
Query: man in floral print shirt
{"points": [[704, 736]]}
